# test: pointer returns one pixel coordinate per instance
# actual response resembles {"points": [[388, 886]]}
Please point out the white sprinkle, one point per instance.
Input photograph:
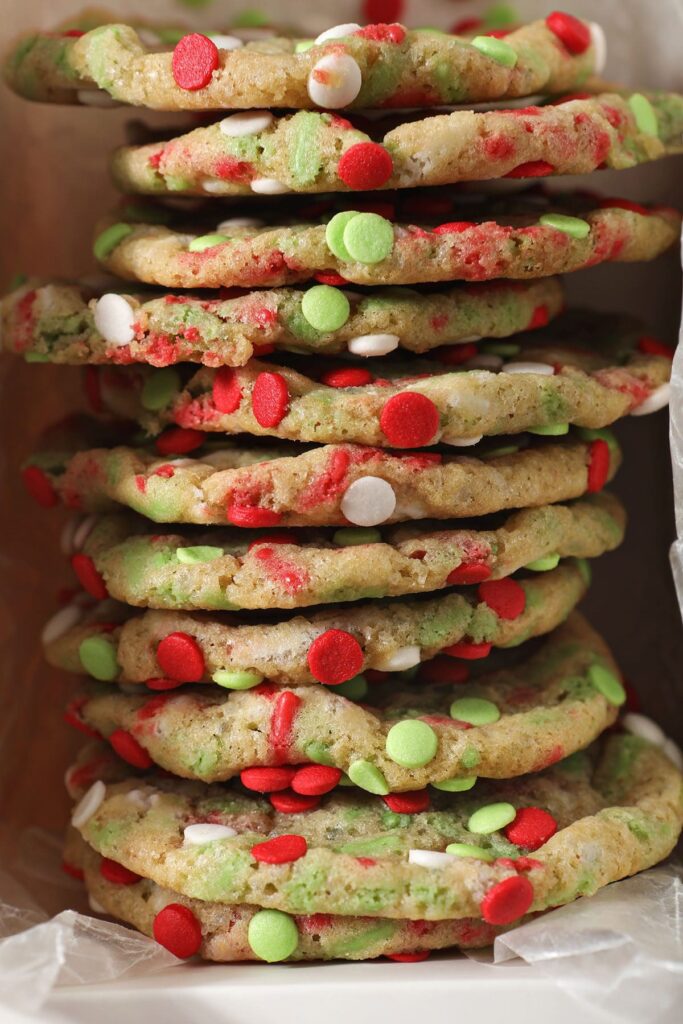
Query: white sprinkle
{"points": [[95, 905], [373, 344], [251, 122], [227, 42], [472, 337], [66, 538], [342, 81], [656, 401], [543, 368], [400, 660], [148, 37], [89, 804], [599, 44], [205, 832], [641, 725], [60, 623], [96, 98], [114, 319], [430, 858], [337, 32], [82, 532], [485, 361], [269, 187], [237, 224], [673, 752], [368, 501], [216, 186], [464, 442]]}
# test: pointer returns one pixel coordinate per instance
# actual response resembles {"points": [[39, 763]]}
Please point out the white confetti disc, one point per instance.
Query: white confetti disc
{"points": [[114, 319], [656, 401], [402, 659], [430, 858], [89, 804], [227, 42], [95, 905], [216, 186], [673, 752], [641, 725], [373, 344], [543, 368], [60, 623], [337, 32], [238, 224], [368, 501], [206, 832], [465, 442], [599, 44], [251, 122], [96, 98], [82, 532], [269, 187], [485, 361], [335, 81]]}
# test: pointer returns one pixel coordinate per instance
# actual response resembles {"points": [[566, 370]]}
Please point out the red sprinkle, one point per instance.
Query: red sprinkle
{"points": [[267, 780], [532, 169], [654, 347], [280, 850], [178, 930], [443, 671], [72, 716], [409, 420], [180, 657], [623, 204], [349, 377], [506, 597], [316, 779], [408, 803], [283, 537], [71, 869], [598, 466], [570, 31], [252, 516], [468, 650], [454, 355], [382, 33], [334, 657], [163, 684], [364, 166], [227, 392], [539, 318], [410, 958], [88, 576], [128, 748], [281, 722], [293, 803], [179, 441], [476, 572], [330, 277], [39, 486], [117, 873], [453, 227], [195, 59], [531, 828], [269, 399], [507, 901]]}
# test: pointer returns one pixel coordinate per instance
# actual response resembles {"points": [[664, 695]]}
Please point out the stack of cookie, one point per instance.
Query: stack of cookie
{"points": [[341, 702]]}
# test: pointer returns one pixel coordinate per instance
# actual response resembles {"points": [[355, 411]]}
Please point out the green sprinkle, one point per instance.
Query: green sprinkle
{"points": [[206, 242], [369, 238], [552, 430], [326, 308], [199, 553], [607, 684], [505, 449], [345, 779], [543, 564], [236, 680], [349, 536], [470, 758], [412, 743], [475, 711], [334, 234], [353, 689], [159, 389], [368, 776], [584, 567], [456, 785], [588, 434], [250, 18], [500, 348], [465, 850], [273, 935], [644, 113], [148, 214], [319, 753], [575, 227], [303, 45], [109, 239], [36, 357], [497, 49], [490, 818], [98, 657]]}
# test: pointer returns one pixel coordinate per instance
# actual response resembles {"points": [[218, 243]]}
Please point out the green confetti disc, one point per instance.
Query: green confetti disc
{"points": [[456, 785], [98, 657], [575, 227], [497, 49], [200, 553], [334, 234], [584, 567], [475, 711], [544, 564], [349, 536], [353, 689], [466, 850], [206, 242], [159, 388], [606, 683], [595, 434], [412, 743], [500, 348], [273, 935], [36, 357], [236, 680], [325, 308], [551, 430], [644, 113], [491, 818], [303, 44], [109, 239], [367, 776], [368, 238]]}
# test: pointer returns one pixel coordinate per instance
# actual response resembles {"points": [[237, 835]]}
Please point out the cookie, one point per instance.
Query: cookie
{"points": [[226, 569], [346, 66], [63, 323], [404, 736], [551, 838], [316, 488], [556, 236], [115, 645], [310, 152]]}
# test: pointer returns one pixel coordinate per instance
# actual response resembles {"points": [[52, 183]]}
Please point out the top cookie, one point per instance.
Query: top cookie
{"points": [[347, 66]]}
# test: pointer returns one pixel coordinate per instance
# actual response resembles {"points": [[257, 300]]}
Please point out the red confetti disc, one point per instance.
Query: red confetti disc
{"points": [[178, 930], [654, 347], [364, 166], [179, 441], [468, 650], [507, 900], [605, 203], [409, 420], [382, 10], [453, 227], [252, 516], [329, 277], [163, 684], [269, 399], [283, 537], [539, 318], [293, 803], [117, 873], [334, 657], [505, 597], [267, 780], [532, 169], [408, 803], [443, 670], [39, 486], [128, 748], [454, 355], [531, 828], [227, 392], [570, 31], [180, 657], [195, 58], [410, 958], [598, 465], [476, 572], [316, 779], [71, 869], [88, 576], [349, 377], [280, 850]]}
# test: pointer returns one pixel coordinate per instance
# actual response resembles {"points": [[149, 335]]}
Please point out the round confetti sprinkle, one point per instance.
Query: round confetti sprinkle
{"points": [[370, 345], [293, 803], [507, 901], [444, 670], [654, 347], [60, 623], [491, 818], [498, 50], [410, 958], [252, 516], [506, 597], [350, 537], [645, 728], [204, 242], [347, 377], [368, 238], [114, 318], [334, 81], [195, 58], [607, 684], [656, 401], [544, 564], [334, 657], [334, 234], [117, 873], [106, 242], [409, 420], [270, 399], [179, 441], [468, 650], [368, 501], [159, 388], [400, 660], [598, 466], [198, 554], [412, 743], [273, 935], [88, 576], [128, 748], [599, 44], [531, 828], [466, 850], [366, 165], [180, 657], [429, 859], [570, 31], [575, 227], [98, 657], [203, 832], [528, 367], [236, 680], [353, 689], [550, 430], [267, 780], [280, 850], [269, 187], [250, 122], [408, 803], [178, 930], [456, 785], [89, 804], [325, 308], [226, 390], [367, 776], [337, 32], [316, 779], [39, 486], [474, 711], [475, 572]]}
